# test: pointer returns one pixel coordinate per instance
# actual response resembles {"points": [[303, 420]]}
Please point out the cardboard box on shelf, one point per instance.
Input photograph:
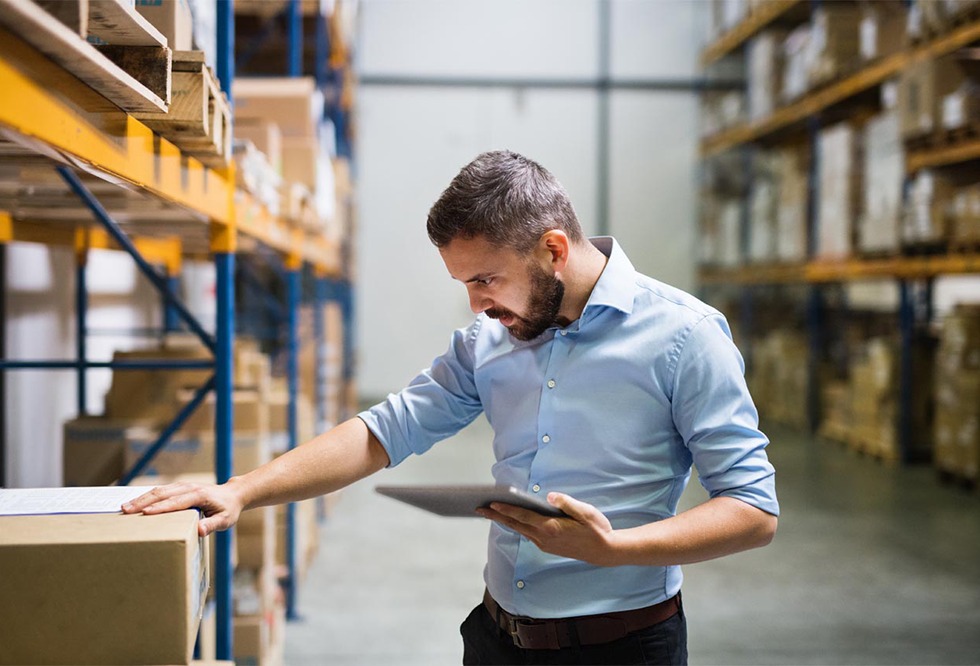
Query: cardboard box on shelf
{"points": [[249, 413], [94, 449], [257, 538], [266, 136], [172, 18], [882, 29], [185, 453], [879, 225], [251, 640], [150, 394], [300, 161], [101, 588], [834, 42], [840, 189], [294, 103], [922, 86]]}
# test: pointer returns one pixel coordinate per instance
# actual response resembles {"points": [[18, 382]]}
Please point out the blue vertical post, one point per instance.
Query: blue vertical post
{"points": [[225, 332], [292, 351], [295, 20], [225, 61], [814, 321], [320, 359], [171, 320], [81, 326], [906, 323], [349, 350]]}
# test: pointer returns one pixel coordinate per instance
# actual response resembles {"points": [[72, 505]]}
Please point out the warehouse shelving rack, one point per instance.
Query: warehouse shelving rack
{"points": [[90, 158], [803, 117]]}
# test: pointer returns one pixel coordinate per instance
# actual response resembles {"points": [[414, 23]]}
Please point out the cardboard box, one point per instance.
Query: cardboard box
{"points": [[172, 18], [251, 640], [249, 413], [294, 103], [94, 449], [921, 89], [101, 588], [266, 136], [150, 395], [185, 453], [256, 531]]}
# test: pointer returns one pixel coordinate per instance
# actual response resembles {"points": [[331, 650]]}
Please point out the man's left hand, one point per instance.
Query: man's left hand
{"points": [[583, 534]]}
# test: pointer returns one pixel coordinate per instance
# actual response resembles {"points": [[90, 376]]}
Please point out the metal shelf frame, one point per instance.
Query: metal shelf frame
{"points": [[67, 123], [915, 275]]}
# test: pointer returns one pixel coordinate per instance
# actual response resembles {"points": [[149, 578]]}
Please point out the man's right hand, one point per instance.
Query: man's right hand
{"points": [[221, 505]]}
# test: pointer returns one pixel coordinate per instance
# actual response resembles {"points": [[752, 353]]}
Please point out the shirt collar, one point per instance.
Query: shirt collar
{"points": [[617, 283]]}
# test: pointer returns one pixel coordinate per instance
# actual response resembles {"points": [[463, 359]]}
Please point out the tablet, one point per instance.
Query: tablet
{"points": [[463, 501]]}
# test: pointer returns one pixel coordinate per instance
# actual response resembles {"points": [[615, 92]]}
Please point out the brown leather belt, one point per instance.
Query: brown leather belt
{"points": [[559, 633]]}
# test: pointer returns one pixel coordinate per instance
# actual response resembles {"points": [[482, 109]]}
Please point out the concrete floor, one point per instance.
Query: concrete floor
{"points": [[872, 565]]}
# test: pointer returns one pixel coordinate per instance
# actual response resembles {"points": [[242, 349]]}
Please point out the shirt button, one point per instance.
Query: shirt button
{"points": [[551, 383], [520, 585], [564, 332], [546, 439], [536, 488]]}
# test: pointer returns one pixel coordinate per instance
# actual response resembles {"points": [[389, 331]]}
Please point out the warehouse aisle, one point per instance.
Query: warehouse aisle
{"points": [[872, 565]]}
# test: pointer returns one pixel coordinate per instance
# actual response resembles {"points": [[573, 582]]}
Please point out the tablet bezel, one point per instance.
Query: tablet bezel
{"points": [[462, 501]]}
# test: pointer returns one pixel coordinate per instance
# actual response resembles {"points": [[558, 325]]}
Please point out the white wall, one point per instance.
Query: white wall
{"points": [[413, 139]]}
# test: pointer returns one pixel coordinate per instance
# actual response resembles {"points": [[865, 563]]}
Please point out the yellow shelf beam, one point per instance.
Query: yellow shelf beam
{"points": [[846, 270], [758, 20], [942, 156], [51, 112], [817, 101]]}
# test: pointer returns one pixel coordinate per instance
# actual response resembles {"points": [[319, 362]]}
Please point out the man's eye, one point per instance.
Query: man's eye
{"points": [[486, 281]]}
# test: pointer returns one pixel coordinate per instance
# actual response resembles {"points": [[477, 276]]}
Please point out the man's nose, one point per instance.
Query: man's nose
{"points": [[479, 303]]}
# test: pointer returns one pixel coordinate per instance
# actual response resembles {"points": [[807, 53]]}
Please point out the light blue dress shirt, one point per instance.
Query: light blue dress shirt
{"points": [[611, 410]]}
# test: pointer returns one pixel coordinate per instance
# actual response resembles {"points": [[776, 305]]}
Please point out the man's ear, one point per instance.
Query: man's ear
{"points": [[554, 248]]}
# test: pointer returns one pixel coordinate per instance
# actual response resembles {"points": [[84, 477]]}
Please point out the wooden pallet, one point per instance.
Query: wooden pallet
{"points": [[132, 70], [199, 119]]}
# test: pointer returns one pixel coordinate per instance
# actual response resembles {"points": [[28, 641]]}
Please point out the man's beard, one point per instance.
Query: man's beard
{"points": [[543, 305]]}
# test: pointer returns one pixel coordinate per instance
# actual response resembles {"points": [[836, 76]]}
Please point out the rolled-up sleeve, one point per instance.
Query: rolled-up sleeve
{"points": [[715, 416], [437, 404]]}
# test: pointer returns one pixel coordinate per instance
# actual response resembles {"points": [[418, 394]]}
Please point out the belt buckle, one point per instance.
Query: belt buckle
{"points": [[550, 637]]}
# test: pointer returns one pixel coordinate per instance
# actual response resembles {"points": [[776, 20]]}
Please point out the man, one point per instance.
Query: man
{"points": [[602, 387]]}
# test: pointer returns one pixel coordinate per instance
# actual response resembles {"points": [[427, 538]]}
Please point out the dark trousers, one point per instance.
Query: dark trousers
{"points": [[485, 643]]}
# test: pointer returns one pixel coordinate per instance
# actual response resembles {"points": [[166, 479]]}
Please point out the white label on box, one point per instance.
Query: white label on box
{"points": [[42, 501]]}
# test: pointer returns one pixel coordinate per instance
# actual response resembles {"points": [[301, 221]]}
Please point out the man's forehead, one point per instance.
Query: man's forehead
{"points": [[467, 258]]}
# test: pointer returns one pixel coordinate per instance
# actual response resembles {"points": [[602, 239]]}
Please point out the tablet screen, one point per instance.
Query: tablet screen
{"points": [[463, 501]]}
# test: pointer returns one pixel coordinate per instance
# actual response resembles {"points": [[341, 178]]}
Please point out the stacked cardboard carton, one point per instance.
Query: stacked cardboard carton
{"points": [[840, 191], [874, 398], [884, 174], [778, 379], [140, 403], [958, 394], [922, 89], [298, 145], [101, 588]]}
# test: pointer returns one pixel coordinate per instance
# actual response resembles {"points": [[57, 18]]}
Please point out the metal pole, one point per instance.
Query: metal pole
{"points": [[123, 241], [171, 320], [320, 357], [602, 122], [3, 355], [906, 317], [293, 298], [81, 329], [168, 432], [225, 61], [223, 462], [295, 20]]}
